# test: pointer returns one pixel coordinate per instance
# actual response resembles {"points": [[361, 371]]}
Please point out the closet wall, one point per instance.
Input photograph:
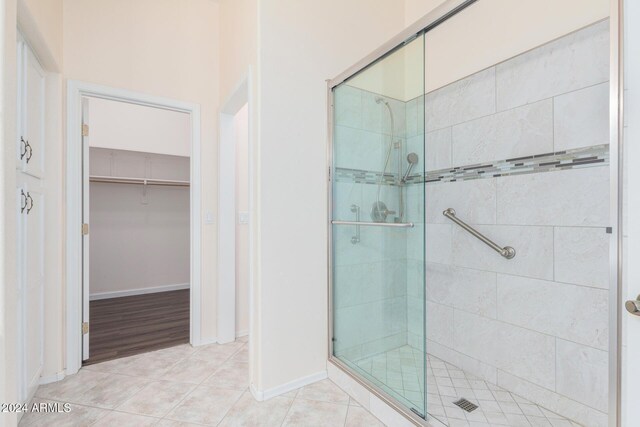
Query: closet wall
{"points": [[139, 234]]}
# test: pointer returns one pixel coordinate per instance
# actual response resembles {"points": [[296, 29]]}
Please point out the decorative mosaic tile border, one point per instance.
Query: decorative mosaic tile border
{"points": [[360, 176], [597, 155]]}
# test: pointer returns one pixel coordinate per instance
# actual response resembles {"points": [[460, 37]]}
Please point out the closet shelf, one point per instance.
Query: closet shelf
{"points": [[144, 181]]}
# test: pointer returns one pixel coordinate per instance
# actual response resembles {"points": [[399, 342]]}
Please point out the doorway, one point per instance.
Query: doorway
{"points": [[136, 240], [138, 187]]}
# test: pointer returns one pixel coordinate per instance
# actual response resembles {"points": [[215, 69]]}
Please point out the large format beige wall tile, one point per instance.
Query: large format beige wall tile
{"points": [[572, 312], [573, 62]]}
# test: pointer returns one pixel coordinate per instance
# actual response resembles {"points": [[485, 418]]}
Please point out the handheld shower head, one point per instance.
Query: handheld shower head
{"points": [[380, 100], [412, 158]]}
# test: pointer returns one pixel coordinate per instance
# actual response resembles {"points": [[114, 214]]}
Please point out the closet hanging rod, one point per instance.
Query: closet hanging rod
{"points": [[147, 181]]}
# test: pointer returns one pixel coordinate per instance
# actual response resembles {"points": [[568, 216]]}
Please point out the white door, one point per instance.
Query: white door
{"points": [[34, 94], [33, 217], [85, 221], [30, 213]]}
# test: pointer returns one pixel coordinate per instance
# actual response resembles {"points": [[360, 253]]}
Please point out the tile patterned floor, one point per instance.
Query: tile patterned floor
{"points": [[402, 369], [183, 386]]}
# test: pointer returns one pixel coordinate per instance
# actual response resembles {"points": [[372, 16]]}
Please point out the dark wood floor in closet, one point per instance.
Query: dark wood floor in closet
{"points": [[137, 324]]}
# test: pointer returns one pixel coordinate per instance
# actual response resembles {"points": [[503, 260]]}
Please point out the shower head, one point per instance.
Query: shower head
{"points": [[412, 158], [380, 100]]}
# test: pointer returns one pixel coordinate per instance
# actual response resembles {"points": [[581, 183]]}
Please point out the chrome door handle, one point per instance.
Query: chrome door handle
{"points": [[633, 307]]}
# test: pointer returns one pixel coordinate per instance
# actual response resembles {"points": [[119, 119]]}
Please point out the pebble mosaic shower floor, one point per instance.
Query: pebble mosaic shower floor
{"points": [[401, 370]]}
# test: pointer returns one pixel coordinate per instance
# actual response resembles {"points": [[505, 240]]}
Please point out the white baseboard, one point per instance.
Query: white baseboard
{"points": [[139, 291], [242, 333], [52, 378], [287, 387]]}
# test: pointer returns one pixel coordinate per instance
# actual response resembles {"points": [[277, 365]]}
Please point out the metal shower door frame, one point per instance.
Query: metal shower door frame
{"points": [[437, 16]]}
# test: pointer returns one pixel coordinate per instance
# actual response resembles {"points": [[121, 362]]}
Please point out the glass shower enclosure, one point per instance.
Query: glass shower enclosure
{"points": [[470, 223], [378, 226]]}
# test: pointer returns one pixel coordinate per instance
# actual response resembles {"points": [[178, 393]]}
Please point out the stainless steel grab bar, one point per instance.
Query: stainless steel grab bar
{"points": [[508, 252], [375, 224]]}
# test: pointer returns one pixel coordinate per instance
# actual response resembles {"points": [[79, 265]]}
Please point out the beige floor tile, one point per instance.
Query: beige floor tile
{"points": [[231, 375], [111, 392], [241, 355], [249, 412], [360, 417], [78, 416], [157, 398], [308, 413], [219, 353], [72, 386], [243, 338], [205, 405], [148, 365], [122, 419], [172, 423], [324, 391], [192, 371]]}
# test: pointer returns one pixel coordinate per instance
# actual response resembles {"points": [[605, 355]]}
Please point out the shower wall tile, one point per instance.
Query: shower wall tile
{"points": [[474, 201], [371, 322], [581, 118], [533, 245], [462, 288], [575, 313], [469, 364], [519, 351], [376, 244], [357, 284], [439, 245], [553, 401], [347, 101], [358, 149], [519, 132], [581, 256], [583, 374], [411, 117], [375, 116], [578, 197], [415, 278], [346, 194], [572, 62], [464, 100], [440, 323], [438, 149]]}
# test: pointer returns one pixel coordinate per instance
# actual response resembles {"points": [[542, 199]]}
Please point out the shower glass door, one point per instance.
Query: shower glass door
{"points": [[377, 230]]}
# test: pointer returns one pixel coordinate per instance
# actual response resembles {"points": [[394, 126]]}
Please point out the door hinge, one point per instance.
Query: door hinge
{"points": [[85, 328], [85, 229], [85, 129]]}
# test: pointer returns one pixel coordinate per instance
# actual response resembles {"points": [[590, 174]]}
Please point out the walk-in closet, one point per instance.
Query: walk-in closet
{"points": [[137, 228]]}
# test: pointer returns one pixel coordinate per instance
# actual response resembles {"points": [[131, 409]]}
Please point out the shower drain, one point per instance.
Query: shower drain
{"points": [[466, 405]]}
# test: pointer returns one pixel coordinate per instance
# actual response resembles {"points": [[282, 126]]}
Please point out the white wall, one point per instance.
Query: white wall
{"points": [[124, 126], [301, 45], [139, 237], [241, 133], [164, 48]]}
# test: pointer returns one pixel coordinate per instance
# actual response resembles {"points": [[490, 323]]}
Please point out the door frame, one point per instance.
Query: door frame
{"points": [[76, 90], [226, 305]]}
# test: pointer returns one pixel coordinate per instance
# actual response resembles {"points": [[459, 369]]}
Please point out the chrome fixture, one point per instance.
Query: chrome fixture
{"points": [[632, 306], [412, 158], [508, 252], [356, 210], [379, 211], [375, 224]]}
